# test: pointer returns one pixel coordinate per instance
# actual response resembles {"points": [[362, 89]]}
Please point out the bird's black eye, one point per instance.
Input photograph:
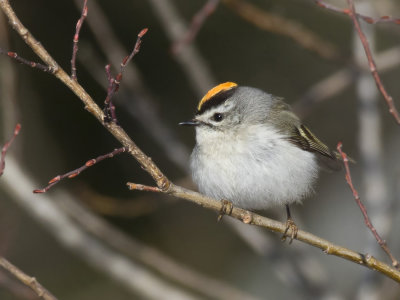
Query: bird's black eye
{"points": [[218, 117]]}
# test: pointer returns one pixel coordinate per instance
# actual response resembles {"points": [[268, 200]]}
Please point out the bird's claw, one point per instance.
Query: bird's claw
{"points": [[226, 209], [292, 228]]}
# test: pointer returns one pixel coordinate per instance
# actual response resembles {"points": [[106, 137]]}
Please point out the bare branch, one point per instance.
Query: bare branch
{"points": [[279, 25], [249, 217], [113, 83], [363, 209], [76, 39], [372, 66], [197, 22], [368, 19], [28, 62], [26, 280], [99, 254], [5, 148], [76, 172]]}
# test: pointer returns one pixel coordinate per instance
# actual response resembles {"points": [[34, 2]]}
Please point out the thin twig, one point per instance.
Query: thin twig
{"points": [[113, 86], [368, 19], [166, 186], [24, 61], [76, 39], [5, 148], [76, 172], [372, 66], [197, 22], [26, 280], [363, 209], [138, 100]]}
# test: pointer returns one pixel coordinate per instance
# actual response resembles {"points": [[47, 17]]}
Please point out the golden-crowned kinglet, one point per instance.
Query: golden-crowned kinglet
{"points": [[252, 150]]}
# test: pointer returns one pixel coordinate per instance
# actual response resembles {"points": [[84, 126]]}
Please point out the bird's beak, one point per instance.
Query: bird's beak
{"points": [[193, 122]]}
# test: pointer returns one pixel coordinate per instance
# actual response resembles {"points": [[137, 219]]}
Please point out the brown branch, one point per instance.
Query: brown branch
{"points": [[363, 209], [372, 65], [248, 217], [113, 83], [5, 148], [26, 280], [195, 25], [280, 25], [76, 39], [76, 172], [368, 19], [166, 186], [27, 62]]}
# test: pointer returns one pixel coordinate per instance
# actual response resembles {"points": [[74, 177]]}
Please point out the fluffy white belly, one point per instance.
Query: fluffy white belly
{"points": [[256, 172]]}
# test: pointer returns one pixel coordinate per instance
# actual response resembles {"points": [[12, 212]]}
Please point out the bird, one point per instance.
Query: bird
{"points": [[254, 152]]}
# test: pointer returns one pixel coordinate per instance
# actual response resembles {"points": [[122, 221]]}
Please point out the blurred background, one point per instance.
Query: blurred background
{"points": [[92, 238]]}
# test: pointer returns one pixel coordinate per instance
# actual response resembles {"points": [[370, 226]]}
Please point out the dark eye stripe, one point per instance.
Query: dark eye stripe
{"points": [[216, 100]]}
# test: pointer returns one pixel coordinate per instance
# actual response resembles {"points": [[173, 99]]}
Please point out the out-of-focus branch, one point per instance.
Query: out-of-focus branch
{"points": [[205, 285], [5, 148], [125, 208], [335, 83], [195, 67], [26, 280], [280, 25], [135, 277], [31, 282], [363, 209], [195, 26]]}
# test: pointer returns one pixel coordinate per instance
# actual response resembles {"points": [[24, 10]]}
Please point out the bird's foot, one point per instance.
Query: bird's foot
{"points": [[292, 229], [226, 209]]}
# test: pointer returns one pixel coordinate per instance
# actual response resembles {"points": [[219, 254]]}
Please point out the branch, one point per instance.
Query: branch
{"points": [[372, 66], [26, 280], [113, 83], [5, 148], [76, 172], [140, 280], [5, 264], [368, 19], [197, 22], [166, 186], [24, 61], [249, 217], [363, 209], [279, 25], [138, 101], [76, 39], [196, 69]]}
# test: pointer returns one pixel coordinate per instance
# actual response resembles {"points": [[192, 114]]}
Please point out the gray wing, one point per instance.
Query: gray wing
{"points": [[298, 134]]}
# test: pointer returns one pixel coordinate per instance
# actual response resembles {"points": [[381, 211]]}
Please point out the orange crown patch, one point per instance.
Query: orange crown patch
{"points": [[215, 90]]}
